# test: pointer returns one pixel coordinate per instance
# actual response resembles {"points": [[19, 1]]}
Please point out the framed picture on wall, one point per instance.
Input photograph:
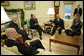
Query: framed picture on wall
{"points": [[5, 3], [29, 5], [57, 3]]}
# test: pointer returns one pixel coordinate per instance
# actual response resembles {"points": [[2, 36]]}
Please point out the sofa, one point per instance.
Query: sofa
{"points": [[14, 51]]}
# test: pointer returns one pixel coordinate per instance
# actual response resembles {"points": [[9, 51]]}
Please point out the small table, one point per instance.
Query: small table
{"points": [[65, 40], [47, 24]]}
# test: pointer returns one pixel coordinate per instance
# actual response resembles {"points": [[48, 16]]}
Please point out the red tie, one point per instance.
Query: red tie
{"points": [[22, 42]]}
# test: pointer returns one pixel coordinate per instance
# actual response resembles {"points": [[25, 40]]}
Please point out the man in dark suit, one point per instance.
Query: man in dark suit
{"points": [[27, 47], [58, 25], [78, 10], [34, 25], [75, 29], [13, 24]]}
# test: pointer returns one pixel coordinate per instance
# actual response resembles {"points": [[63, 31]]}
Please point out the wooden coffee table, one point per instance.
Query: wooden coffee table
{"points": [[65, 40]]}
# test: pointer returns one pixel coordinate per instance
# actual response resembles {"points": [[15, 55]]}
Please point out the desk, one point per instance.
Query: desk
{"points": [[65, 40]]}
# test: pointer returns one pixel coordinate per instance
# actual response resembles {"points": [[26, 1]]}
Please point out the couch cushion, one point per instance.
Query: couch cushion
{"points": [[5, 51], [13, 49]]}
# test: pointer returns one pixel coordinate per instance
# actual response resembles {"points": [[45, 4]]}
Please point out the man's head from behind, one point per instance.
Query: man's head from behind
{"points": [[33, 16], [11, 33], [77, 16]]}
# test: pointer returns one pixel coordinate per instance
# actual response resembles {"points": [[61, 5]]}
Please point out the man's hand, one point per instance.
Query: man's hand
{"points": [[27, 42], [53, 25], [58, 28], [70, 29], [21, 28]]}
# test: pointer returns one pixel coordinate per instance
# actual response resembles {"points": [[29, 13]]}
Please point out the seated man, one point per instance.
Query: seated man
{"points": [[75, 29], [34, 25], [58, 25], [13, 24], [26, 48]]}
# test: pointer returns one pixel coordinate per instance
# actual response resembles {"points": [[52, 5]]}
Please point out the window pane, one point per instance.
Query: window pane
{"points": [[67, 11]]}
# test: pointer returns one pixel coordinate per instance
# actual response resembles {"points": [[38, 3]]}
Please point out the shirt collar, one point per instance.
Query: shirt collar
{"points": [[13, 39]]}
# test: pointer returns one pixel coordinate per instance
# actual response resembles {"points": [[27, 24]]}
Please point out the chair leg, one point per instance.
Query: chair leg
{"points": [[2, 43], [28, 31], [32, 34], [78, 50]]}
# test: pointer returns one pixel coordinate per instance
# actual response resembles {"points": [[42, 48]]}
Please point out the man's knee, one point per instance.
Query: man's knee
{"points": [[54, 29], [73, 32], [37, 40], [67, 30]]}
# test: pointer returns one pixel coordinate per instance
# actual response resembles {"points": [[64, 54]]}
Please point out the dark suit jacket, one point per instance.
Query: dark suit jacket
{"points": [[33, 22], [26, 50], [14, 25], [20, 31], [80, 11], [23, 47], [77, 26], [59, 24]]}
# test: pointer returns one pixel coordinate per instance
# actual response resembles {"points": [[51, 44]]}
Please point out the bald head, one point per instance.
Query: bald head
{"points": [[77, 16], [33, 16], [11, 33], [57, 16]]}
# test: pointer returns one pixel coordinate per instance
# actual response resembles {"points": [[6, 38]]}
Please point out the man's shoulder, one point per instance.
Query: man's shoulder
{"points": [[75, 8], [81, 8], [61, 19], [30, 18], [55, 19], [80, 21], [11, 22]]}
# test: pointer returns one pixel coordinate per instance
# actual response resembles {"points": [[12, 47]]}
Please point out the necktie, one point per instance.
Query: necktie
{"points": [[23, 43]]}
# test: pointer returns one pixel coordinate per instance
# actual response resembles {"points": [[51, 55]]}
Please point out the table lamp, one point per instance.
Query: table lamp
{"points": [[4, 17], [51, 12]]}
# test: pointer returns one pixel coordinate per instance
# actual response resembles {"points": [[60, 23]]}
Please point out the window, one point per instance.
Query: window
{"points": [[67, 11]]}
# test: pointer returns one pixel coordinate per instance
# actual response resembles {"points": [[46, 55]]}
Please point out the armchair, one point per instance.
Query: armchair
{"points": [[29, 29]]}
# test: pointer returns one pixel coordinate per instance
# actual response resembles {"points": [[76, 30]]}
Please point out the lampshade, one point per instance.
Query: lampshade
{"points": [[4, 16], [51, 11]]}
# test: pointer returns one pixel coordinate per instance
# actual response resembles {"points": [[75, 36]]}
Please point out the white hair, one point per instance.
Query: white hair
{"points": [[14, 16], [8, 31]]}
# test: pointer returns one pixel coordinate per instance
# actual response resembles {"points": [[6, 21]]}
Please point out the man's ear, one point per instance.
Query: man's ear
{"points": [[8, 35]]}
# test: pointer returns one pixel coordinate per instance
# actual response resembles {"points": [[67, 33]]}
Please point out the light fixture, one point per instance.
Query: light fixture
{"points": [[4, 17], [51, 12]]}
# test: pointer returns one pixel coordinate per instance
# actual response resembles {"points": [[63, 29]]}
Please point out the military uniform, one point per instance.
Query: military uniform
{"points": [[58, 23], [76, 28]]}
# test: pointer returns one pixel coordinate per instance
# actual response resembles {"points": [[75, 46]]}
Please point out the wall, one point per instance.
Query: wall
{"points": [[41, 9]]}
